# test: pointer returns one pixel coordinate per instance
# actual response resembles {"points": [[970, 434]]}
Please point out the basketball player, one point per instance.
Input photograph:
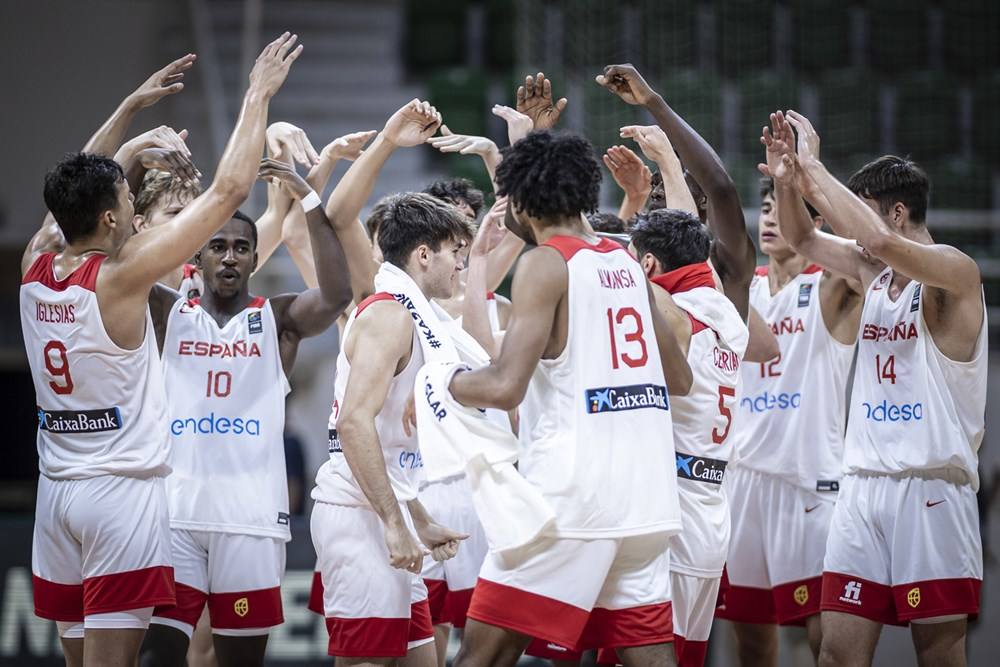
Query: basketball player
{"points": [[579, 585], [367, 510], [226, 358], [904, 545], [101, 544], [789, 444]]}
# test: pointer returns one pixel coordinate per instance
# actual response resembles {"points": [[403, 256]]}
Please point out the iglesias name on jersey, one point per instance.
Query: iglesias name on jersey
{"points": [[101, 408], [590, 411], [913, 408], [792, 409], [227, 393]]}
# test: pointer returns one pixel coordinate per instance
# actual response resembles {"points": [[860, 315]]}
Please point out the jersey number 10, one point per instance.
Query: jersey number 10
{"points": [[635, 336]]}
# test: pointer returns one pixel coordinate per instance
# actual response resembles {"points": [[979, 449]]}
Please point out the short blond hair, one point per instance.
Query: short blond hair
{"points": [[158, 185]]}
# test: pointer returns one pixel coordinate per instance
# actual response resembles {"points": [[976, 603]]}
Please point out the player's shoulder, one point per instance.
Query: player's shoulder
{"points": [[380, 311]]}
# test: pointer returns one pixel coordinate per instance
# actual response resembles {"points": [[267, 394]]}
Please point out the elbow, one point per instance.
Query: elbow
{"points": [[509, 395], [342, 299]]}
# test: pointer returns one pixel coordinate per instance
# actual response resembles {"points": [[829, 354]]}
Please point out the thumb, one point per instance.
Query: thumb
{"points": [[762, 168], [561, 104], [445, 131], [183, 134]]}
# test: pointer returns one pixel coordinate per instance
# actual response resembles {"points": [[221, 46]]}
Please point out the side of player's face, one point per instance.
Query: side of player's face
{"points": [[228, 259], [657, 196], [768, 234], [165, 210], [123, 212], [464, 207], [444, 268], [376, 250]]}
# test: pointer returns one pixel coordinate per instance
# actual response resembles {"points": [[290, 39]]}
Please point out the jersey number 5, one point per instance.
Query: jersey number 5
{"points": [[634, 336], [724, 392], [60, 371]]}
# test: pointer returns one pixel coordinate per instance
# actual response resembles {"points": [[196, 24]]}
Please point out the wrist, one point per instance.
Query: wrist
{"points": [[652, 100], [310, 201]]}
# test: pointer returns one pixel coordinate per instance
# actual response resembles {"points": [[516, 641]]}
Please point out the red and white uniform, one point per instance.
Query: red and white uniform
{"points": [[192, 284], [228, 492], [371, 608], [788, 448], [600, 577], [101, 540], [905, 540]]}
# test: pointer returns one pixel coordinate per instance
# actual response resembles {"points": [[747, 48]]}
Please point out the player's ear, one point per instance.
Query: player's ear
{"points": [[899, 215], [423, 254], [254, 269], [650, 265], [139, 223], [197, 260]]}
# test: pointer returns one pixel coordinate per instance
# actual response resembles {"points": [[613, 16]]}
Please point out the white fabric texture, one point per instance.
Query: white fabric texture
{"points": [[715, 310]]}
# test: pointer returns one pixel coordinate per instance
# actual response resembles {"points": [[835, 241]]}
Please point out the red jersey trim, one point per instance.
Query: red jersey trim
{"points": [[528, 613], [634, 626], [256, 302], [84, 276], [570, 245], [686, 278], [190, 270], [57, 602], [490, 296], [697, 326], [812, 268], [377, 296]]}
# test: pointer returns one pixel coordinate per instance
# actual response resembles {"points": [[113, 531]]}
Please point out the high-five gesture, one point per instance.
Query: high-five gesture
{"points": [[653, 142], [348, 147], [534, 99], [626, 82], [629, 171], [285, 176], [166, 81], [518, 125], [807, 147], [271, 67], [285, 141], [779, 145], [412, 125], [466, 144]]}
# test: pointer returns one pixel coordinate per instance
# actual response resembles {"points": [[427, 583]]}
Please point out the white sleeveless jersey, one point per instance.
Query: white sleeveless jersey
{"points": [[703, 426], [912, 408], [792, 409], [597, 432], [101, 408], [227, 418], [191, 282], [335, 483]]}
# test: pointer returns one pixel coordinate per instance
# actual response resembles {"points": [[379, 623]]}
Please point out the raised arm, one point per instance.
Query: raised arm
{"points": [[733, 251], [534, 100], [375, 338], [632, 176], [466, 144], [475, 316], [655, 145], [313, 311], [409, 126], [146, 257]]}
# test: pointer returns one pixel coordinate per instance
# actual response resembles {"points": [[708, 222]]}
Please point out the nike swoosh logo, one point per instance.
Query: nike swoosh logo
{"points": [[930, 504], [810, 509]]}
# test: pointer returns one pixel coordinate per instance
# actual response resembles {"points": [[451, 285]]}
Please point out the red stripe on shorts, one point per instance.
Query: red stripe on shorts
{"points": [[690, 654], [246, 609], [528, 613], [437, 597], [57, 602], [744, 604], [420, 622], [635, 626], [540, 648], [859, 597], [456, 607], [190, 604], [368, 637], [937, 597], [795, 601], [315, 604], [148, 587]]}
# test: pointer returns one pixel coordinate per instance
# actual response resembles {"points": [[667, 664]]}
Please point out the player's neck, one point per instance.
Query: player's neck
{"points": [[224, 308], [573, 226], [782, 270]]}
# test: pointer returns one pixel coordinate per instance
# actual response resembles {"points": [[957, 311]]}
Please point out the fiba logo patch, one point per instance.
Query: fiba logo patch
{"points": [[241, 607], [852, 593], [255, 324], [913, 597], [805, 291], [801, 595]]}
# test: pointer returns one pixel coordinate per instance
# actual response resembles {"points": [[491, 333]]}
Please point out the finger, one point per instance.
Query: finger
{"points": [[762, 168], [561, 104], [546, 87], [271, 48], [310, 150], [609, 163], [521, 95], [294, 55], [445, 131], [529, 86], [183, 63], [286, 46], [805, 122]]}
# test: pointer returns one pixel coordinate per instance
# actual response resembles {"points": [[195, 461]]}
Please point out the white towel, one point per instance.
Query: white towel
{"points": [[716, 310], [512, 510]]}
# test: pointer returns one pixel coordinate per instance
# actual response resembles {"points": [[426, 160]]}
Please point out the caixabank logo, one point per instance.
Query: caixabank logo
{"points": [[79, 421], [628, 397]]}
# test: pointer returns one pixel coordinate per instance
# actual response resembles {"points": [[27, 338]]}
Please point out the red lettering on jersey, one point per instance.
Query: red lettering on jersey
{"points": [[787, 326], [617, 279], [55, 313], [726, 360], [901, 331], [199, 348]]}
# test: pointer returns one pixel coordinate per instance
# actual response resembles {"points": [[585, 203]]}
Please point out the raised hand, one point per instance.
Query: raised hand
{"points": [[518, 125], [285, 141], [626, 82], [491, 230], [534, 99], [779, 144], [285, 176], [161, 148], [271, 67], [629, 171], [412, 125], [807, 146], [465, 144], [653, 142], [166, 81], [170, 160], [348, 147]]}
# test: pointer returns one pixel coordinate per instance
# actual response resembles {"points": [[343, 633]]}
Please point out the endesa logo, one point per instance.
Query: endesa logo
{"points": [[215, 425], [892, 412], [79, 421], [766, 401], [629, 397], [410, 460]]}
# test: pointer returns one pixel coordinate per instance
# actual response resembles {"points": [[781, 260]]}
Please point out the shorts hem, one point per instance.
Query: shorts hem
{"points": [[789, 610], [746, 604], [391, 641], [493, 602]]}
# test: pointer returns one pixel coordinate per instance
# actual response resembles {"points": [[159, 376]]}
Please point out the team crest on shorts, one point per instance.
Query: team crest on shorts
{"points": [[913, 597], [241, 607], [801, 595]]}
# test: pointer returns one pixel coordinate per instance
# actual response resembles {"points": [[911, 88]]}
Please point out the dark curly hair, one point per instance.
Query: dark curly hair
{"points": [[78, 189], [411, 219], [455, 191], [892, 179], [674, 237], [609, 223], [550, 175]]}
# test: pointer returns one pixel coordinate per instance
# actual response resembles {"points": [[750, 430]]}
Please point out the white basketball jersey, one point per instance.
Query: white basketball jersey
{"points": [[912, 408], [227, 417], [191, 282], [335, 483], [703, 424], [598, 438], [792, 408], [101, 409]]}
